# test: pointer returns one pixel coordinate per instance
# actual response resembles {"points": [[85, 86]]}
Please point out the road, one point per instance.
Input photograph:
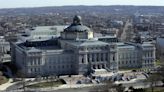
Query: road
{"points": [[73, 90], [127, 31], [15, 86], [137, 84]]}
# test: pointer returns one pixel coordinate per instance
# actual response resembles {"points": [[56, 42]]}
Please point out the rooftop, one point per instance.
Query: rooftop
{"points": [[86, 43], [48, 28], [147, 44], [40, 45], [42, 32], [122, 45]]}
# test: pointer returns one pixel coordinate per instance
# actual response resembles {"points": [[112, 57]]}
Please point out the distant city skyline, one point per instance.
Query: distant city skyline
{"points": [[42, 3]]}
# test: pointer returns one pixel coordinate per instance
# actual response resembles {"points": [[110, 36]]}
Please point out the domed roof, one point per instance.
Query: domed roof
{"points": [[77, 25]]}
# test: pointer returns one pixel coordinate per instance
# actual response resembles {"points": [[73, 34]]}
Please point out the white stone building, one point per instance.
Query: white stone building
{"points": [[76, 51], [134, 55]]}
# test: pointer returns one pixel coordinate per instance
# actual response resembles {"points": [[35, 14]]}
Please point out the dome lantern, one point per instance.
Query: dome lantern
{"points": [[77, 20]]}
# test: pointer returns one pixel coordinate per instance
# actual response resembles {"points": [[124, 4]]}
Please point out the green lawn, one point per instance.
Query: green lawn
{"points": [[137, 69], [158, 62], [126, 69], [46, 84], [157, 89]]}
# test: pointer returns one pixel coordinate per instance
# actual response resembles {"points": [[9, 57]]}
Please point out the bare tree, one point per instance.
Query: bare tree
{"points": [[120, 88], [161, 72], [20, 74], [51, 78], [153, 80]]}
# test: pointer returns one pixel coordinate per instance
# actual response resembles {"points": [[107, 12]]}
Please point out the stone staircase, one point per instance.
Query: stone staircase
{"points": [[100, 71]]}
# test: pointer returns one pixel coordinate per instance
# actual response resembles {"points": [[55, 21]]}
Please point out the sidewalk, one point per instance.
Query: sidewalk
{"points": [[65, 86], [6, 85]]}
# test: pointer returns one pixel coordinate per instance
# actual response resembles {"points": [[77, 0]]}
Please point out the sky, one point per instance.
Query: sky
{"points": [[41, 3]]}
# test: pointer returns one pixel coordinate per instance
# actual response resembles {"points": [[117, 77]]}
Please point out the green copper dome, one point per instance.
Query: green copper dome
{"points": [[77, 25]]}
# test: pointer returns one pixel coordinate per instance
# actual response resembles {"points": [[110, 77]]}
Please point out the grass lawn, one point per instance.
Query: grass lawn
{"points": [[158, 62], [126, 69], [46, 84], [3, 80], [137, 69], [156, 89]]}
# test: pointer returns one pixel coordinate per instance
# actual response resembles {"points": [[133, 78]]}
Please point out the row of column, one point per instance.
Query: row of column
{"points": [[93, 57], [149, 54]]}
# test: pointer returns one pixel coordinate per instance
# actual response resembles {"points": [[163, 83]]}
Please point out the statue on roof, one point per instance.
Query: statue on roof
{"points": [[77, 20], [137, 38]]}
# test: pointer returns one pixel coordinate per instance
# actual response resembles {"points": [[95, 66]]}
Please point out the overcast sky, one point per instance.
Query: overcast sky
{"points": [[39, 3]]}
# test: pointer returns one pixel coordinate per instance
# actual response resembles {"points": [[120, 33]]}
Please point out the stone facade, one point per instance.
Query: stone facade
{"points": [[76, 52], [132, 55]]}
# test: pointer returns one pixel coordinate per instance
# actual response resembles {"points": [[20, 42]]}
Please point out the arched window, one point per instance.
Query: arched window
{"points": [[103, 66], [98, 66], [113, 58], [82, 60], [94, 67]]}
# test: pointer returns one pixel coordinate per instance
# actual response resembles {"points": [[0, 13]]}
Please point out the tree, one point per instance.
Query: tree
{"points": [[120, 88], [153, 80], [131, 89], [1, 73], [20, 74], [161, 72], [89, 70], [38, 78], [51, 78]]}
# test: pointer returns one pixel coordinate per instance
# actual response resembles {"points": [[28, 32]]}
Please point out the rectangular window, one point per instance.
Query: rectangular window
{"points": [[82, 60], [88, 57], [34, 61], [39, 61], [31, 69], [31, 62], [38, 69], [93, 57], [113, 58], [35, 70]]}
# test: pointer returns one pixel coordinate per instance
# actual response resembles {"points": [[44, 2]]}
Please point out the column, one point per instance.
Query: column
{"points": [[90, 57], [100, 66], [85, 59], [96, 66], [100, 57]]}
